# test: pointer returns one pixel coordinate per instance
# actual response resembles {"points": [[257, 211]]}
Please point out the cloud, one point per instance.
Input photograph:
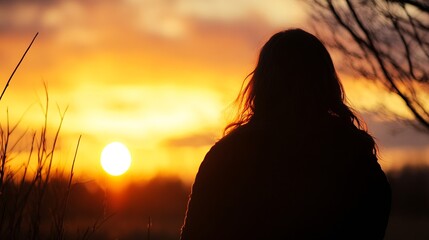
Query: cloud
{"points": [[192, 140], [395, 134], [277, 12], [165, 18]]}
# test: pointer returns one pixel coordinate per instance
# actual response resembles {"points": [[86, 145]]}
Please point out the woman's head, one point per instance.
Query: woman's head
{"points": [[294, 80]]}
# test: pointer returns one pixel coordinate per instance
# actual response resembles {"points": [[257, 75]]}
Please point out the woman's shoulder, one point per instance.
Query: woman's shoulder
{"points": [[232, 147], [237, 137], [349, 134]]}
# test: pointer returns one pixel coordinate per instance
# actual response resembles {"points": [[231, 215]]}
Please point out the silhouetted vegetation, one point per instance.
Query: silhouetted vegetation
{"points": [[34, 197], [93, 212]]}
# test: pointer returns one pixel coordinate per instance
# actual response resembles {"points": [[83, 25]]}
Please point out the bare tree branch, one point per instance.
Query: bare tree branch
{"points": [[386, 41]]}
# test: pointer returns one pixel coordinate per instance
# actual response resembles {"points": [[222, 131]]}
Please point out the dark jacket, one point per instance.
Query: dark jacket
{"points": [[261, 182]]}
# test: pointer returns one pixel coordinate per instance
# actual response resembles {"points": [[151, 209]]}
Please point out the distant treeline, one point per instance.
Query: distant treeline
{"points": [[409, 218], [93, 212]]}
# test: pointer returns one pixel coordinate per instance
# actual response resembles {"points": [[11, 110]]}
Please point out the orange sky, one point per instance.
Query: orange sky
{"points": [[156, 75]]}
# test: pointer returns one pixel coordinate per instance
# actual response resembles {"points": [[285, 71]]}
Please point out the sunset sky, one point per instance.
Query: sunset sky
{"points": [[158, 76]]}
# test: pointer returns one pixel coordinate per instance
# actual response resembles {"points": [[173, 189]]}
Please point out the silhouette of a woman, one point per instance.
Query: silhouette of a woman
{"points": [[297, 163]]}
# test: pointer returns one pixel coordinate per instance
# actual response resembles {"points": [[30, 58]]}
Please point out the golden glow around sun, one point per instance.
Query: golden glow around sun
{"points": [[115, 158]]}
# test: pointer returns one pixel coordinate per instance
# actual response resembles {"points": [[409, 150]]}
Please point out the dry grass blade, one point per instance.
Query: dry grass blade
{"points": [[61, 217], [19, 63]]}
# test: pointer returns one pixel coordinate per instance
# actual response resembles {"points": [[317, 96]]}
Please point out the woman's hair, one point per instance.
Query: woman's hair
{"points": [[294, 82]]}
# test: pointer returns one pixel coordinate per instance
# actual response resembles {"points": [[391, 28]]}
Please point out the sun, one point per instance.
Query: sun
{"points": [[115, 158]]}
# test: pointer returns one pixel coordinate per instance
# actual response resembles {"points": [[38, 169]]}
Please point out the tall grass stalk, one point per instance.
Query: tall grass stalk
{"points": [[59, 218], [17, 65]]}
